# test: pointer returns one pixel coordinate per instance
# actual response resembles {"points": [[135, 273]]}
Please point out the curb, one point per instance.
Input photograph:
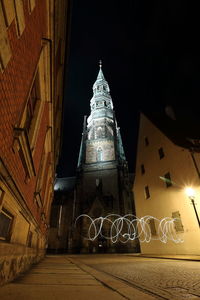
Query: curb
{"points": [[117, 285], [167, 257]]}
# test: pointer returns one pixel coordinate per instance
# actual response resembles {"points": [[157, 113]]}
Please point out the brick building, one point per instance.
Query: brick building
{"points": [[33, 37]]}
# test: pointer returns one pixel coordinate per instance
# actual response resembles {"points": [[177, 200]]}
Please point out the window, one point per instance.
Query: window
{"points": [[146, 141], [147, 193], [109, 201], [43, 169], [31, 4], [26, 131], [161, 153], [168, 179], [152, 226], [54, 216], [31, 104], [99, 133], [5, 51], [142, 169], [6, 220], [99, 154], [23, 160], [9, 10], [177, 223], [20, 20], [29, 239], [1, 195]]}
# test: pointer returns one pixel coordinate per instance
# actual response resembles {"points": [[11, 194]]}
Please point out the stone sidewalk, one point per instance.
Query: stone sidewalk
{"points": [[61, 277]]}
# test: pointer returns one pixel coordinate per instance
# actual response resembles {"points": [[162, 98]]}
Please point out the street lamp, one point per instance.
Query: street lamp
{"points": [[191, 195]]}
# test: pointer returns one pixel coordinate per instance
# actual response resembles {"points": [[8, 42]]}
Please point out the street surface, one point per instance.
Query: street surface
{"points": [[160, 278], [107, 277]]}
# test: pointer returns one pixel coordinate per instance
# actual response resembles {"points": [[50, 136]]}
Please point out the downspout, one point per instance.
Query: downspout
{"points": [[195, 163]]}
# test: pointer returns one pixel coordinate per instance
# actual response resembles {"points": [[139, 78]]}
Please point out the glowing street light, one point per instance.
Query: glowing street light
{"points": [[191, 194]]}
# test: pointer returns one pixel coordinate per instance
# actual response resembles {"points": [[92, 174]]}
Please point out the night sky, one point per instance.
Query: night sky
{"points": [[151, 58]]}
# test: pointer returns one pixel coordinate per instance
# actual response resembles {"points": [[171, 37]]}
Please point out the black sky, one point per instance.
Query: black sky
{"points": [[151, 58]]}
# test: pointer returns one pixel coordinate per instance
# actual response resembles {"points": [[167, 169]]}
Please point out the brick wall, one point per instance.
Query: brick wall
{"points": [[15, 85], [30, 60]]}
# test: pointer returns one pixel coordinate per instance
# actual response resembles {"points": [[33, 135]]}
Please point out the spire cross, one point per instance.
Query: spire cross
{"points": [[100, 63]]}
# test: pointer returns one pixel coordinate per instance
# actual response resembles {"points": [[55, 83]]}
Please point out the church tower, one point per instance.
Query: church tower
{"points": [[103, 185]]}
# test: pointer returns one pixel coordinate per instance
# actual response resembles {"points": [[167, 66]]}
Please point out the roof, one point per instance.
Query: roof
{"points": [[181, 126]]}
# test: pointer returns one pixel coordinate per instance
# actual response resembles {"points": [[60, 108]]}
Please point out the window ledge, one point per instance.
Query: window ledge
{"points": [[38, 199], [21, 142]]}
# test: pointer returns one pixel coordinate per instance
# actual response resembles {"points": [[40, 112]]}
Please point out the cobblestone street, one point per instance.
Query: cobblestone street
{"points": [[162, 278]]}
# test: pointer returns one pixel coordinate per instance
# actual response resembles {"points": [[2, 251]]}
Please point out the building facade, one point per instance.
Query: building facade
{"points": [[32, 50], [103, 185], [167, 162], [61, 218]]}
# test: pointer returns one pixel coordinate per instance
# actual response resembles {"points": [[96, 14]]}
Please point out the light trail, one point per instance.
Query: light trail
{"points": [[126, 228]]}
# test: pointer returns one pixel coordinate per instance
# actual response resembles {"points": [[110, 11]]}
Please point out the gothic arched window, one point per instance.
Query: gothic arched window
{"points": [[99, 132], [99, 154]]}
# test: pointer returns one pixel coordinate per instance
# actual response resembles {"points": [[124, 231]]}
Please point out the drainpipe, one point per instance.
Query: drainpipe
{"points": [[59, 221], [195, 163]]}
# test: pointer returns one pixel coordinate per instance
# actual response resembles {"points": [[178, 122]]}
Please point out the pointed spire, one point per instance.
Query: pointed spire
{"points": [[100, 75], [101, 89]]}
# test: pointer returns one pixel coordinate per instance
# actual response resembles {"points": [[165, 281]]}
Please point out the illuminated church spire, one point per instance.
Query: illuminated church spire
{"points": [[101, 99], [102, 173]]}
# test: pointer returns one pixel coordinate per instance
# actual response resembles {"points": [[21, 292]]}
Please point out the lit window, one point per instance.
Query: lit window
{"points": [[168, 179], [6, 220], [147, 193], [161, 153], [146, 141], [142, 169]]}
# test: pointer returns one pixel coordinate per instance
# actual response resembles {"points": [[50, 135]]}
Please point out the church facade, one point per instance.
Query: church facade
{"points": [[103, 185]]}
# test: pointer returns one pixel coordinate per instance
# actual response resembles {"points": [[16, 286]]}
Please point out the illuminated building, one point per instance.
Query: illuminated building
{"points": [[103, 184], [168, 161], [32, 51]]}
